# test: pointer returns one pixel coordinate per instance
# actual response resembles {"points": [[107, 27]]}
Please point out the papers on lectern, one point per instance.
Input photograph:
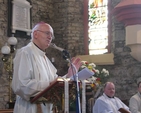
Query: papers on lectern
{"points": [[83, 74]]}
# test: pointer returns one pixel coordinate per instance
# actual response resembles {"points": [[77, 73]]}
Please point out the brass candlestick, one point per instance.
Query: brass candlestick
{"points": [[8, 54]]}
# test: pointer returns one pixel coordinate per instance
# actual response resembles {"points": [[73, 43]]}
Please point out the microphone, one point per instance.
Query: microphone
{"points": [[52, 45], [65, 52]]}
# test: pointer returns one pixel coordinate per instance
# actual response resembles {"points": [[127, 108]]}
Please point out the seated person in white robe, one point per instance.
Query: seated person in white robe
{"points": [[135, 100], [33, 71], [108, 103]]}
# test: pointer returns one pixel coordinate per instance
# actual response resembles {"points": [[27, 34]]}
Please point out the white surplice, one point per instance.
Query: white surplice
{"points": [[135, 103], [104, 104], [33, 72]]}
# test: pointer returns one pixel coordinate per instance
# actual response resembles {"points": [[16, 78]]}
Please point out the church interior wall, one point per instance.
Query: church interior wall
{"points": [[66, 17]]}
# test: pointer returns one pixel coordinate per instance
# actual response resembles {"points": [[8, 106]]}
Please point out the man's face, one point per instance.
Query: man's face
{"points": [[109, 90], [43, 36]]}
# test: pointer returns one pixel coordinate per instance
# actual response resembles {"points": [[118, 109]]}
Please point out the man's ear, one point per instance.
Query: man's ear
{"points": [[35, 34]]}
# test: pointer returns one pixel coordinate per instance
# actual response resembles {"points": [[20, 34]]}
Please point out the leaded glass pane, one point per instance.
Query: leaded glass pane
{"points": [[98, 26]]}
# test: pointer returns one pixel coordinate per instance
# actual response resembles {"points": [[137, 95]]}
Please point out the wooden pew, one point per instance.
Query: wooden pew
{"points": [[6, 111]]}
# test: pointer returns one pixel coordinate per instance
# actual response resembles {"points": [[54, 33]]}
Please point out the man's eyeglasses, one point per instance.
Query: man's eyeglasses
{"points": [[47, 33]]}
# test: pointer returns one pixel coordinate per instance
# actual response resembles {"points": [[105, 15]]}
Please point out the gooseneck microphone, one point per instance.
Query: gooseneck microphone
{"points": [[66, 55], [56, 47]]}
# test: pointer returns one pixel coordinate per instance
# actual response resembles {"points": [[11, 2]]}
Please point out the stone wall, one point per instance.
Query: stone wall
{"points": [[68, 27], [4, 83], [66, 17], [126, 70]]}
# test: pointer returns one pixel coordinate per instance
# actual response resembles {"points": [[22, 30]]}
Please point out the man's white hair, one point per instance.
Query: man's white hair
{"points": [[34, 29]]}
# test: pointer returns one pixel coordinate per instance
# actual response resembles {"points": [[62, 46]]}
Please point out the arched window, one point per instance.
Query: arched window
{"points": [[97, 26]]}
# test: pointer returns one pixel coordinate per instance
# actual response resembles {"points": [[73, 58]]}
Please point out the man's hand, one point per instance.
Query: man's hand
{"points": [[74, 67]]}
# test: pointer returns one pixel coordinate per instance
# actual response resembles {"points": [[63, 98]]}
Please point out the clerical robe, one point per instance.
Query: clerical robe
{"points": [[33, 72], [135, 103], [104, 104]]}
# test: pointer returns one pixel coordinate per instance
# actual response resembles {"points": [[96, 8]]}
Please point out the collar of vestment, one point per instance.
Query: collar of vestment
{"points": [[107, 96], [139, 94], [39, 51], [38, 47]]}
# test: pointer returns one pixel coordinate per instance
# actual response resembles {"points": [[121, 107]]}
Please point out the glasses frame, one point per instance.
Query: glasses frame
{"points": [[47, 33]]}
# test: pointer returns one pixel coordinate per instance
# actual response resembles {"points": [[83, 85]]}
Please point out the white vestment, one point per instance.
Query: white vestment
{"points": [[135, 103], [104, 104], [33, 72]]}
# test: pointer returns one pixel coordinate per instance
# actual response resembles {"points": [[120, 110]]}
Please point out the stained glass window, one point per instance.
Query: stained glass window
{"points": [[98, 26]]}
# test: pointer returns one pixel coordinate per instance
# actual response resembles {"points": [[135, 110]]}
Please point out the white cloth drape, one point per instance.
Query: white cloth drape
{"points": [[83, 96], [66, 104]]}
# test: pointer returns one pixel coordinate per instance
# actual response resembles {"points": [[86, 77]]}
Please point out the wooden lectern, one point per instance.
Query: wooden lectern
{"points": [[55, 94]]}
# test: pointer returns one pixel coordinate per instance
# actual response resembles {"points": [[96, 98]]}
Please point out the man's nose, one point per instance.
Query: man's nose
{"points": [[49, 37]]}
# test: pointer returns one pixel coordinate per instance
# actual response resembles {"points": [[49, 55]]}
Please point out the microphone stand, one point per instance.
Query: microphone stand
{"points": [[66, 56]]}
